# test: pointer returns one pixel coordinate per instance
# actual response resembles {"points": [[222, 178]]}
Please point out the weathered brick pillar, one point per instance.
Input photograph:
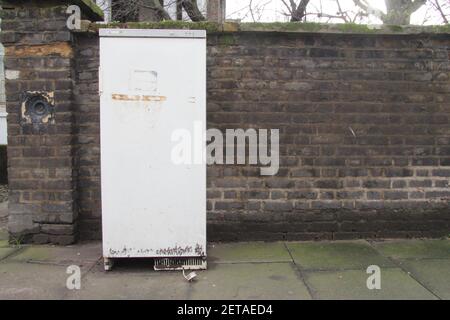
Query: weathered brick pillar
{"points": [[39, 57]]}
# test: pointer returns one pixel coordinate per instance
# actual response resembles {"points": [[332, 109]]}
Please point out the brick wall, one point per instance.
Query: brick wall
{"points": [[363, 120], [364, 135], [87, 114], [39, 57], [3, 165], [364, 124]]}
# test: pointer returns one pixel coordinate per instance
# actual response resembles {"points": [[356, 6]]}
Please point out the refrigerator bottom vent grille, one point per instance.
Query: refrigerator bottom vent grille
{"points": [[196, 263]]}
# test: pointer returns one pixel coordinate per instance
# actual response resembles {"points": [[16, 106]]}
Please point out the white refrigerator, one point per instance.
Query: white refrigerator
{"points": [[153, 127]]}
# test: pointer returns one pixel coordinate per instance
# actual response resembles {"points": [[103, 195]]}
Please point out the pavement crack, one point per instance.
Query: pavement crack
{"points": [[408, 272], [12, 254], [300, 273]]}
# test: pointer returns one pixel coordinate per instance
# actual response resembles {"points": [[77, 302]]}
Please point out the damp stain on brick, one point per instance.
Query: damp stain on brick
{"points": [[61, 49]]}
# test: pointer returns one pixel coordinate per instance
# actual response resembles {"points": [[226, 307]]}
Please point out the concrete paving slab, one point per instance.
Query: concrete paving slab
{"points": [[433, 274], [77, 254], [351, 285], [416, 249], [147, 284], [250, 281], [248, 252], [40, 272], [7, 251], [32, 281], [341, 255]]}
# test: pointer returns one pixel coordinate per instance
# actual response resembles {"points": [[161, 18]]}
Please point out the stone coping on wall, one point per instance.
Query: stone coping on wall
{"points": [[278, 27]]}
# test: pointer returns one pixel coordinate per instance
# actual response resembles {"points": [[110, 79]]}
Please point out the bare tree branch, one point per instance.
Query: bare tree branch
{"points": [[416, 5], [297, 12], [397, 11], [128, 10], [364, 5], [192, 10], [157, 7], [250, 8], [440, 9]]}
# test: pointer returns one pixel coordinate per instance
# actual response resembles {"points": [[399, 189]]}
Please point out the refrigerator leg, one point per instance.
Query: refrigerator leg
{"points": [[108, 264]]}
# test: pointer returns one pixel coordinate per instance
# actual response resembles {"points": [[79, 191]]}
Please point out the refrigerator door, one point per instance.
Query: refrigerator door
{"points": [[153, 124]]}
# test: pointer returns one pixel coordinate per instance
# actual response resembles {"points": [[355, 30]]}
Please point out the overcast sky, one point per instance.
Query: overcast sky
{"points": [[272, 10]]}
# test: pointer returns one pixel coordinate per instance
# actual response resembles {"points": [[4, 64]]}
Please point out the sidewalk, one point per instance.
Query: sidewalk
{"points": [[410, 269]]}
